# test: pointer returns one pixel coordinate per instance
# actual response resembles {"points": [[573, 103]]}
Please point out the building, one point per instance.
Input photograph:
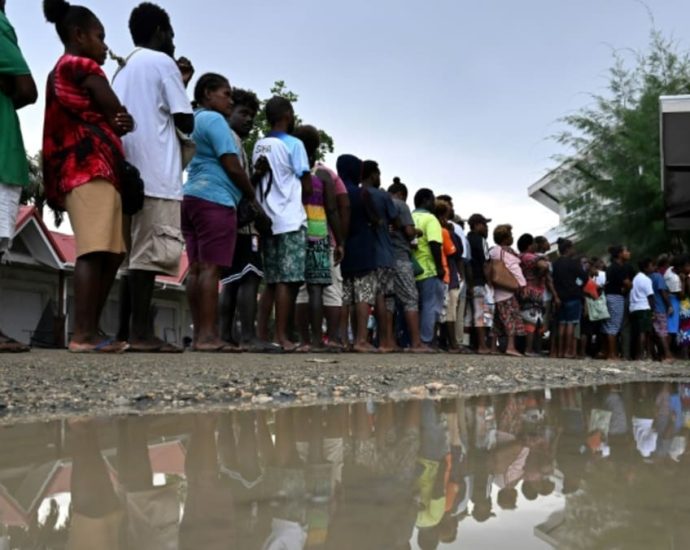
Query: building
{"points": [[38, 297]]}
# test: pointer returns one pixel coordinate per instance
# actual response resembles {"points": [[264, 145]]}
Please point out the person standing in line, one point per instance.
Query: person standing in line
{"points": [[619, 277], [216, 184], [451, 259], [569, 278], [359, 266], [507, 307], [387, 216], [322, 216], [663, 308], [675, 288], [641, 307], [404, 283], [429, 255], [281, 192], [483, 305], [535, 269], [17, 90], [152, 84], [82, 152]]}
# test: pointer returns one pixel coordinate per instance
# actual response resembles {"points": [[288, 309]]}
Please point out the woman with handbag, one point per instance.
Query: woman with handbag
{"points": [[216, 183], [82, 165], [507, 279]]}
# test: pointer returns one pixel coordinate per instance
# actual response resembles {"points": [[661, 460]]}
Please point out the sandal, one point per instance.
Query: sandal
{"points": [[105, 346], [10, 345]]}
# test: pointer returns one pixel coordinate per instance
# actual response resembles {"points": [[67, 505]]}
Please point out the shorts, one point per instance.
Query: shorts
{"points": [[363, 289], [483, 308], [509, 318], [450, 314], [210, 231], [660, 324], [385, 284], [532, 318], [404, 285], [570, 312], [10, 195], [285, 257], [641, 321], [615, 303], [95, 213], [247, 260], [332, 294], [318, 263], [155, 237]]}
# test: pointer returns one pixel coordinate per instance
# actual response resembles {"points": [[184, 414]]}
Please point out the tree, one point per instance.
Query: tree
{"points": [[615, 167], [261, 126]]}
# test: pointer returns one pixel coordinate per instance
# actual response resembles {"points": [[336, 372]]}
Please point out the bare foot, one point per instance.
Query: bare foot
{"points": [[421, 349], [513, 353], [364, 348]]}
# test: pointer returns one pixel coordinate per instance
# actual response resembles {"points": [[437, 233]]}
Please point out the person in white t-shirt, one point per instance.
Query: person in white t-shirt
{"points": [[642, 305], [152, 84], [281, 193]]}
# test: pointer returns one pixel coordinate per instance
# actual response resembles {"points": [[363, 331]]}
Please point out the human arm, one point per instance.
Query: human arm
{"points": [[233, 168], [332, 215], [343, 203], [20, 89], [437, 254], [108, 103]]}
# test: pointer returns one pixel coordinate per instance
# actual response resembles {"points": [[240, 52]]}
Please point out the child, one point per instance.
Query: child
{"points": [[642, 305]]}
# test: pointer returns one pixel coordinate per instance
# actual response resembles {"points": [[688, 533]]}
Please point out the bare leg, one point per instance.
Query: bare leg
{"points": [[228, 307], [562, 343], [361, 313], [265, 307], [482, 348], [285, 295], [194, 299], [316, 314]]}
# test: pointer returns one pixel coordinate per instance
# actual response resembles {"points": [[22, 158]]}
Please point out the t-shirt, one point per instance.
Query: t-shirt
{"points": [[659, 286], [387, 213], [208, 179], [448, 250], [280, 191], [317, 223], [14, 168], [150, 86], [615, 275], [642, 289], [569, 278], [673, 281], [401, 246], [479, 253], [338, 187], [78, 143], [430, 227], [359, 246], [460, 232]]}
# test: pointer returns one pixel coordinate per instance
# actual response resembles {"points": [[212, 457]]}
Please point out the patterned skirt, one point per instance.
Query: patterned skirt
{"points": [[616, 306]]}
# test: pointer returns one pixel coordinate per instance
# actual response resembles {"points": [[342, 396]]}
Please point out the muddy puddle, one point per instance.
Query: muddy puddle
{"points": [[599, 467]]}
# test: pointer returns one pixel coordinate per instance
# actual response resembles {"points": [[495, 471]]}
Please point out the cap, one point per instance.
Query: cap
{"points": [[477, 219]]}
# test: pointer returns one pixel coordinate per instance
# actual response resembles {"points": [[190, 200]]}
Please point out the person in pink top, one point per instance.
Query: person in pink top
{"points": [[508, 316]]}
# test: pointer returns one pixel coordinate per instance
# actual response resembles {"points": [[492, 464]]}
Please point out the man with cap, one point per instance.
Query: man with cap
{"points": [[480, 288]]}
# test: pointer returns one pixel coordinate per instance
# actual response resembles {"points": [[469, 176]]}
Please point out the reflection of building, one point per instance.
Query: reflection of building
{"points": [[37, 294]]}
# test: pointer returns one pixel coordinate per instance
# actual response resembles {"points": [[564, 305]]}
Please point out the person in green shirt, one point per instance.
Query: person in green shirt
{"points": [[429, 256], [17, 90]]}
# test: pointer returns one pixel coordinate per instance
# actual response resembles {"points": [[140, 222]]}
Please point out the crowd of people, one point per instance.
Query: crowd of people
{"points": [[307, 258]]}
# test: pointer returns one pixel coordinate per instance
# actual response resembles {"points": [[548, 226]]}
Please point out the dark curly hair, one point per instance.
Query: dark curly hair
{"points": [[208, 82], [66, 17], [245, 98], [144, 21]]}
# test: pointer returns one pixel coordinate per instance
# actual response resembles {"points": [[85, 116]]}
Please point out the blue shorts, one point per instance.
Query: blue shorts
{"points": [[570, 312]]}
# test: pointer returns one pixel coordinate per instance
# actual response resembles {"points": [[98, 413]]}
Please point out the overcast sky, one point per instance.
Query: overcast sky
{"points": [[458, 96]]}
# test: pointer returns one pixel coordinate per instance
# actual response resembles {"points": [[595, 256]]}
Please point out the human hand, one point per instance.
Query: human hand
{"points": [[124, 123], [338, 254], [261, 167], [186, 68]]}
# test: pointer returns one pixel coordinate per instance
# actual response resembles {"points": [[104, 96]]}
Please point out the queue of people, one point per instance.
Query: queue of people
{"points": [[308, 259]]}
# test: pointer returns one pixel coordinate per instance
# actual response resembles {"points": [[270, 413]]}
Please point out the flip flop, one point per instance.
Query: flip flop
{"points": [[10, 345], [225, 348], [105, 346], [266, 347], [163, 347]]}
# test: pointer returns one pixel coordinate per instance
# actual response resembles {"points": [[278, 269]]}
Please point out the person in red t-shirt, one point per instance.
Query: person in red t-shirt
{"points": [[83, 122]]}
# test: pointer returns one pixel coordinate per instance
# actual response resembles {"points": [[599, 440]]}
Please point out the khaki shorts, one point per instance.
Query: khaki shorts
{"points": [[156, 237], [332, 294], [95, 212], [451, 315]]}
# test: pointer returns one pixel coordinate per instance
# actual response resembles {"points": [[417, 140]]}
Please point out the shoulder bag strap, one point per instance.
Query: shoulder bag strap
{"points": [[122, 63]]}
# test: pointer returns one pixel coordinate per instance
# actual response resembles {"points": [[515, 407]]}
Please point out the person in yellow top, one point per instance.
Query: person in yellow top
{"points": [[429, 256]]}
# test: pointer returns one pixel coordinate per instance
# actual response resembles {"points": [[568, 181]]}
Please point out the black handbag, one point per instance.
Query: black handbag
{"points": [[249, 212]]}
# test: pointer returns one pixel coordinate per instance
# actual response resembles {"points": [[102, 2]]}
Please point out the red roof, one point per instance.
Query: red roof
{"points": [[66, 249]]}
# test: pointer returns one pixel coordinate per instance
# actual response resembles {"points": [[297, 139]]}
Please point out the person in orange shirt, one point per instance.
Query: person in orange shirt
{"points": [[448, 255]]}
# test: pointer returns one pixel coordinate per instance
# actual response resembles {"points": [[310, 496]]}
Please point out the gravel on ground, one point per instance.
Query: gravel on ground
{"points": [[46, 385]]}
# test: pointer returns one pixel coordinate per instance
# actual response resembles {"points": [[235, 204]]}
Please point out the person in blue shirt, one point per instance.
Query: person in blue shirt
{"points": [[216, 183], [663, 309]]}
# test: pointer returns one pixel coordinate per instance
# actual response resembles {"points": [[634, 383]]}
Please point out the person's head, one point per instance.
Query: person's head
{"points": [[525, 243], [546, 487], [309, 136], [245, 106], [663, 261], [280, 114], [213, 92], [479, 224], [349, 169], [371, 174], [78, 28], [482, 511], [424, 199], [646, 266], [442, 210], [428, 538], [530, 489], [398, 189], [681, 264], [150, 27], [503, 235], [565, 247], [446, 198], [2, 6], [507, 498], [619, 253], [542, 244]]}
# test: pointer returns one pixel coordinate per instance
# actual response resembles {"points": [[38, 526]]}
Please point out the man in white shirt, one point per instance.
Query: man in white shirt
{"points": [[280, 193], [152, 84], [642, 305]]}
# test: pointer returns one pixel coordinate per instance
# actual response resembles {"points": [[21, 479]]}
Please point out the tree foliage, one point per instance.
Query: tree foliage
{"points": [[261, 126], [614, 170]]}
